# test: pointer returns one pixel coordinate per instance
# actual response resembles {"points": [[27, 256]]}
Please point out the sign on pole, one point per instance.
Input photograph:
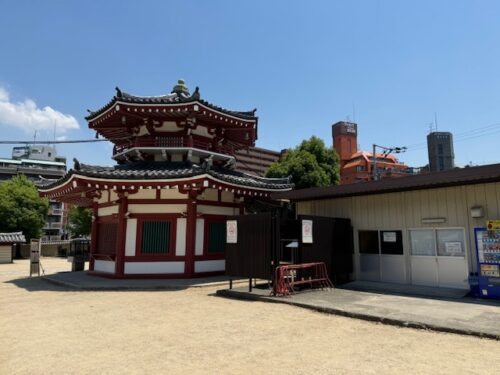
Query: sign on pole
{"points": [[232, 231], [35, 247], [307, 231]]}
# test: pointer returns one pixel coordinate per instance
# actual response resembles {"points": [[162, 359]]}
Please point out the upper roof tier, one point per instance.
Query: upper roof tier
{"points": [[128, 118], [179, 95]]}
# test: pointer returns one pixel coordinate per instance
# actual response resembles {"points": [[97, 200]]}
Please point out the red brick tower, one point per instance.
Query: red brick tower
{"points": [[345, 140]]}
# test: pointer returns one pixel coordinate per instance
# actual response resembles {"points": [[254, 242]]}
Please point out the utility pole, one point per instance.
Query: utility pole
{"points": [[386, 151], [374, 167]]}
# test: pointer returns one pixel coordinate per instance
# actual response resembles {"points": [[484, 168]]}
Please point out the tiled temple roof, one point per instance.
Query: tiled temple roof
{"points": [[180, 94], [6, 238], [172, 170]]}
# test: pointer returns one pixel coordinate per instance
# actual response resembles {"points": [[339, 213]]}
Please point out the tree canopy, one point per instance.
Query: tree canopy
{"points": [[80, 221], [21, 208], [310, 164]]}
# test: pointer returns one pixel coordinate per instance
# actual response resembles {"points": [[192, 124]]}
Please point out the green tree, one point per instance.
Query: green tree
{"points": [[310, 164], [21, 208], [80, 221]]}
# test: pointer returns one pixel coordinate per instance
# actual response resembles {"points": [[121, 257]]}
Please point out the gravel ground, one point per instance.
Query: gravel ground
{"points": [[50, 330]]}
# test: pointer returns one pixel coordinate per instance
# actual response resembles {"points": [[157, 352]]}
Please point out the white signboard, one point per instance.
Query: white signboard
{"points": [[231, 231], [453, 247], [307, 231], [389, 236]]}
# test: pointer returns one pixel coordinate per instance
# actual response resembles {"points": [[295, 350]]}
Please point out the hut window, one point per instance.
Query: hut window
{"points": [[155, 237], [391, 242], [216, 237], [368, 242]]}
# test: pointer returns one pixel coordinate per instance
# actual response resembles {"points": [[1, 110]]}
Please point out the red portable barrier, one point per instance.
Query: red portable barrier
{"points": [[286, 277]]}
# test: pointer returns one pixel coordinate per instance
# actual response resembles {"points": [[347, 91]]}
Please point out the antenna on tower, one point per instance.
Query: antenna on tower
{"points": [[353, 112], [436, 120]]}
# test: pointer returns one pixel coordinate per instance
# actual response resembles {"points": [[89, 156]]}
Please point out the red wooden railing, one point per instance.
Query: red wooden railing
{"points": [[286, 278]]}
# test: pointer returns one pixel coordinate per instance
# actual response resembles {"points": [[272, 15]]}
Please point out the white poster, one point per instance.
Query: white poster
{"points": [[389, 236], [232, 231], [307, 231], [453, 247]]}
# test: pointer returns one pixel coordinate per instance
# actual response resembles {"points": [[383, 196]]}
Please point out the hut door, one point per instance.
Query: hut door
{"points": [[438, 257]]}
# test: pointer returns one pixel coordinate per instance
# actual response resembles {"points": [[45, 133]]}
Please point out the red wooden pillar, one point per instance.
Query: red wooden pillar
{"points": [[93, 235], [120, 236], [190, 234]]}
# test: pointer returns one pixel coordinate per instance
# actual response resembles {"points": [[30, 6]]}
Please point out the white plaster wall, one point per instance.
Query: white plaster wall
{"points": [[180, 237], [227, 196], [209, 265], [215, 210], [143, 194], [156, 208], [107, 266], [209, 195], [104, 197], [169, 126], [172, 194], [113, 196], [130, 237], [200, 228], [203, 131], [105, 211], [154, 267]]}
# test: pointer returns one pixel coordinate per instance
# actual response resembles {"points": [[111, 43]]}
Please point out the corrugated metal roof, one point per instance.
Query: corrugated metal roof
{"points": [[454, 177], [12, 237]]}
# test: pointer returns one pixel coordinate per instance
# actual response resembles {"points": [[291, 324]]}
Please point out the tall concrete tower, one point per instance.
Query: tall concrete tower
{"points": [[345, 140], [440, 149]]}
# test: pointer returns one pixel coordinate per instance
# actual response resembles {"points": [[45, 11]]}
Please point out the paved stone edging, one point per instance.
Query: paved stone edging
{"points": [[138, 288], [227, 293]]}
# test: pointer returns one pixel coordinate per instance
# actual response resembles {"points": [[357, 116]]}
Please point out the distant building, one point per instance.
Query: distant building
{"points": [[255, 161], [357, 166], [440, 149], [40, 164]]}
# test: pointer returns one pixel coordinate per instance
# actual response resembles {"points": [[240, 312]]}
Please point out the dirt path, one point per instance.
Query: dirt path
{"points": [[47, 329]]}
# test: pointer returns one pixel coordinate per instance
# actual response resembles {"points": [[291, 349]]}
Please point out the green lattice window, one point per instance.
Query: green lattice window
{"points": [[155, 237], [216, 237]]}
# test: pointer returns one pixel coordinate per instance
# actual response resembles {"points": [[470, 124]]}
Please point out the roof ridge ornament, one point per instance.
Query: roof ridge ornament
{"points": [[76, 164], [196, 94], [181, 88], [118, 92]]}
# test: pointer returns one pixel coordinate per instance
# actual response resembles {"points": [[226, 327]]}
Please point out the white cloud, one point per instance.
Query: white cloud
{"points": [[62, 138], [26, 116]]}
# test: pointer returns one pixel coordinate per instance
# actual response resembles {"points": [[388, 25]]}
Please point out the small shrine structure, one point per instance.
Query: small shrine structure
{"points": [[161, 211]]}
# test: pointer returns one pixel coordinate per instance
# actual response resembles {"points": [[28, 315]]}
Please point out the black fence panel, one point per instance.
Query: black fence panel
{"points": [[262, 240], [251, 255], [332, 244]]}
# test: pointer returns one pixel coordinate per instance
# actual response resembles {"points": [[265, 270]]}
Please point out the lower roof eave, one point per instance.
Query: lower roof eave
{"points": [[74, 184]]}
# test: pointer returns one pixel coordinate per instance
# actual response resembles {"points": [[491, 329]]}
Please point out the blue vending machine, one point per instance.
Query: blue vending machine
{"points": [[488, 257]]}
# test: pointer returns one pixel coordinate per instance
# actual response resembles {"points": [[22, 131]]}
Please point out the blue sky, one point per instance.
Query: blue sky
{"points": [[390, 65]]}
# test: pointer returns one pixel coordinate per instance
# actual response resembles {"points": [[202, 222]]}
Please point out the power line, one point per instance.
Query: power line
{"points": [[60, 142], [463, 136]]}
